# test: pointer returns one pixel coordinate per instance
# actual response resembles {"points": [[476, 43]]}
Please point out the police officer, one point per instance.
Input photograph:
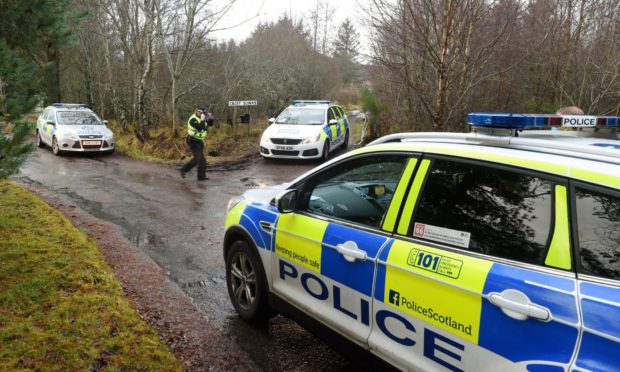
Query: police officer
{"points": [[196, 133]]}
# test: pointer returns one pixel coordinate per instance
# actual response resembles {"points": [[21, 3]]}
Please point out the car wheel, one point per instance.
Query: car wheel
{"points": [[345, 144], [55, 147], [39, 142], [325, 154], [247, 287]]}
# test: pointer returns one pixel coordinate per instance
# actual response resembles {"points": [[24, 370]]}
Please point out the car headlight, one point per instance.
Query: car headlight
{"points": [[312, 139], [70, 136], [265, 138]]}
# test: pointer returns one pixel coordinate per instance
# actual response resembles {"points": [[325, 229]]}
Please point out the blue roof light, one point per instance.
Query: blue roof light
{"points": [[539, 121]]}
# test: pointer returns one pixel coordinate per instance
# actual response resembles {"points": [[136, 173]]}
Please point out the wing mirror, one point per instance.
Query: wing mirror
{"points": [[333, 122], [272, 120], [50, 122], [286, 202], [105, 122]]}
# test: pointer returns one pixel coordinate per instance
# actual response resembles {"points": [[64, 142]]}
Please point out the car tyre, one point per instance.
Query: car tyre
{"points": [[246, 283], [345, 144], [55, 148], [38, 141], [325, 154]]}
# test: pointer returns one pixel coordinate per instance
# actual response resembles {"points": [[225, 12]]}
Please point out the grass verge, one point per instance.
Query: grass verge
{"points": [[61, 307], [220, 145]]}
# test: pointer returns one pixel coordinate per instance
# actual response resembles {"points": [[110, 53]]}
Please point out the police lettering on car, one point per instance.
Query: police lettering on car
{"points": [[482, 251]]}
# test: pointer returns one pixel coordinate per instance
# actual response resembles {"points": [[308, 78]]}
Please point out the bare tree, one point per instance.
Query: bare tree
{"points": [[182, 29]]}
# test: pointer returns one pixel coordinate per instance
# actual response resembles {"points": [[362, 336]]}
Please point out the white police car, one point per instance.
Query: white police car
{"points": [[73, 128], [306, 130], [493, 250]]}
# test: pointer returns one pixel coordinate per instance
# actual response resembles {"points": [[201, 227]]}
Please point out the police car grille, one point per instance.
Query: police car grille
{"points": [[91, 136], [285, 153], [285, 141]]}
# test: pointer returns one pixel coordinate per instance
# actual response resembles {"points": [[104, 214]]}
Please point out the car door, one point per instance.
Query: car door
{"points": [[325, 250], [597, 237], [479, 275]]}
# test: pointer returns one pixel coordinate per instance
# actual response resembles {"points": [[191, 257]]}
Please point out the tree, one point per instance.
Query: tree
{"points": [[29, 31], [347, 41], [346, 50]]}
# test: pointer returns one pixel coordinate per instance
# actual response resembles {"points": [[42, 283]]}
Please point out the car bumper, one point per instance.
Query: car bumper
{"points": [[306, 151], [98, 145]]}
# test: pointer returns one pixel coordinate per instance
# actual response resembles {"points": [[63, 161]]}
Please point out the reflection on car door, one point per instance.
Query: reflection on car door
{"points": [[597, 213], [325, 252], [474, 280]]}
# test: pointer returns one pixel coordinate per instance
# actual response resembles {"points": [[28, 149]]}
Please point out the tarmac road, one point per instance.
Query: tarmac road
{"points": [[179, 224]]}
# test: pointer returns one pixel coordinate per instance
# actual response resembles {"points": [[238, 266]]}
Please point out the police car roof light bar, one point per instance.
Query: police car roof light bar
{"points": [[539, 121], [69, 105], [311, 102]]}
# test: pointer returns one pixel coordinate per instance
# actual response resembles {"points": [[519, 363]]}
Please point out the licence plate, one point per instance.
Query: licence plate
{"points": [[91, 143], [285, 148]]}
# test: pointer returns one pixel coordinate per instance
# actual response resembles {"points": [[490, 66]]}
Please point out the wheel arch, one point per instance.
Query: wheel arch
{"points": [[235, 233]]}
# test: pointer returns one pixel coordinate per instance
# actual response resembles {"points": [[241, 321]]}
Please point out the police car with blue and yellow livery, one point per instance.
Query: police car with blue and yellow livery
{"points": [[306, 130], [493, 250], [71, 127]]}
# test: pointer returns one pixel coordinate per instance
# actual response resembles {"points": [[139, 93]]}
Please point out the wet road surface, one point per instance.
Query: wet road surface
{"points": [[179, 223]]}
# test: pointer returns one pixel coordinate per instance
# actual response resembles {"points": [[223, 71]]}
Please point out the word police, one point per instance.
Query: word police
{"points": [[391, 324]]}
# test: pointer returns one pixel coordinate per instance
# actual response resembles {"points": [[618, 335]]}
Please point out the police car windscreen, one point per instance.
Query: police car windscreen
{"points": [[77, 118], [302, 116]]}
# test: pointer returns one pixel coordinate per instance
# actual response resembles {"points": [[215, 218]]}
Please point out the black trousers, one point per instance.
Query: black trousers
{"points": [[197, 147]]}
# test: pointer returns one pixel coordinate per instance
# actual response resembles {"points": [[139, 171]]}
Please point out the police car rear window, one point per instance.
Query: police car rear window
{"points": [[598, 221], [486, 210]]}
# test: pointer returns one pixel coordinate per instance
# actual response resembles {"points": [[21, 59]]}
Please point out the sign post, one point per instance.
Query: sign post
{"points": [[236, 104]]}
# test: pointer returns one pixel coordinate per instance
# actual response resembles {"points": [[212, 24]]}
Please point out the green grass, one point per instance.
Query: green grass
{"points": [[60, 306]]}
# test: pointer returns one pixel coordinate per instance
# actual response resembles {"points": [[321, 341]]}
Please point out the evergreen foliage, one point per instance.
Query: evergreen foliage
{"points": [[31, 34], [13, 149]]}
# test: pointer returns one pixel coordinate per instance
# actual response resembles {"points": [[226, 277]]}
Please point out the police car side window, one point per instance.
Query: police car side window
{"points": [[357, 191], [330, 115], [598, 228], [487, 210]]}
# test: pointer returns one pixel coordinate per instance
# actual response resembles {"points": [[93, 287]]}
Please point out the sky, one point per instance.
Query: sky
{"points": [[255, 11]]}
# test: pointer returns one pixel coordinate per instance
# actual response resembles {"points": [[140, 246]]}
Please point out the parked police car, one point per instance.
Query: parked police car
{"points": [[486, 251], [306, 130], [73, 128]]}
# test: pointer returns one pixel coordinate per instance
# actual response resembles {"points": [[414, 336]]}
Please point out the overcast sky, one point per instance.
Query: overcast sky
{"points": [[256, 11]]}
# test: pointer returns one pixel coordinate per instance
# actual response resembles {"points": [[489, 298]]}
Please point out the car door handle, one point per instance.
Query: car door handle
{"points": [[351, 252], [517, 305]]}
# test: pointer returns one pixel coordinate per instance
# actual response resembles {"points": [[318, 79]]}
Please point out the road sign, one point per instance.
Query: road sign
{"points": [[243, 103]]}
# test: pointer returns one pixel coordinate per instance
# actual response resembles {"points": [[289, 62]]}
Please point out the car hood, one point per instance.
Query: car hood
{"points": [[292, 131], [85, 130], [264, 195]]}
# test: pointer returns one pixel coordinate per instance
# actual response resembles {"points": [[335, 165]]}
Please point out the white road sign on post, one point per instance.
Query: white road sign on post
{"points": [[242, 103]]}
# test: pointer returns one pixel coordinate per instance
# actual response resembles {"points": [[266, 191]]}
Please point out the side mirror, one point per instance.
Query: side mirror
{"points": [[272, 120], [286, 202], [105, 122], [50, 122], [333, 122]]}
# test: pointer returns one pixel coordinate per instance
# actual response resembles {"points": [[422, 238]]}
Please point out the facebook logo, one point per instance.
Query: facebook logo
{"points": [[394, 297]]}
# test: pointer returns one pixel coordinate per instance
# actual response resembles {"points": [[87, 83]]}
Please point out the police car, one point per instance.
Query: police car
{"points": [[73, 128], [493, 250], [306, 130]]}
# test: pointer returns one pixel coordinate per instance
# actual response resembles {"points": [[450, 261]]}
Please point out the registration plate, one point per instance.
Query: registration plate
{"points": [[285, 148], [91, 143]]}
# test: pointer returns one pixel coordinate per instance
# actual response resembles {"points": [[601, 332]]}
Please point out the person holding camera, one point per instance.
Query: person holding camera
{"points": [[197, 126]]}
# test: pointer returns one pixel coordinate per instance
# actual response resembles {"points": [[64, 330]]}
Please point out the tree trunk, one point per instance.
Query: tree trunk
{"points": [[443, 68]]}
